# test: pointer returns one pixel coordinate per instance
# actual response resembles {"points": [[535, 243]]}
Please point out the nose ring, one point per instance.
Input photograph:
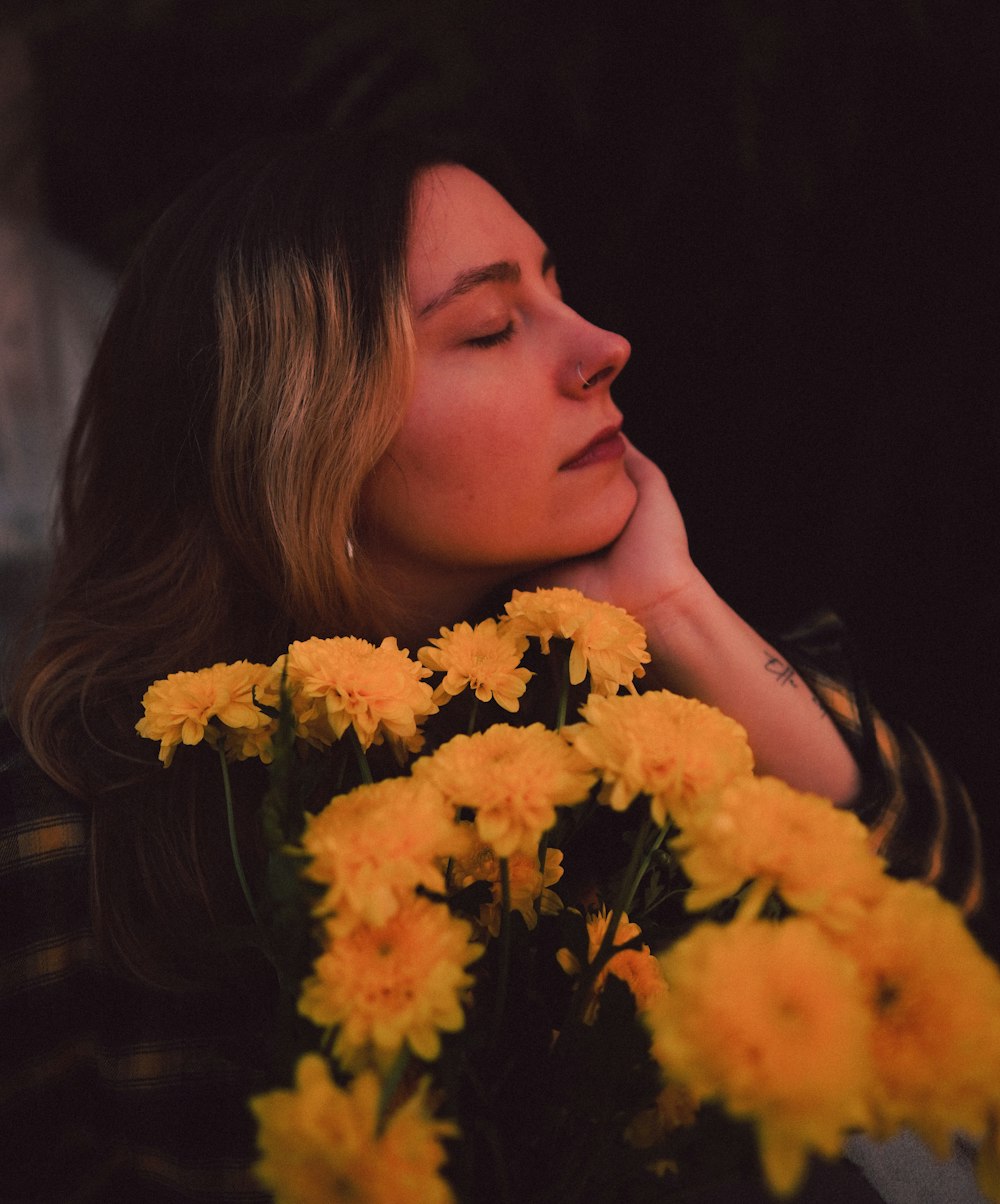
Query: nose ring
{"points": [[587, 381]]}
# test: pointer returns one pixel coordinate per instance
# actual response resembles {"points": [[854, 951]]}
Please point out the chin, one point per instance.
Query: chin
{"points": [[611, 520], [595, 539], [581, 532]]}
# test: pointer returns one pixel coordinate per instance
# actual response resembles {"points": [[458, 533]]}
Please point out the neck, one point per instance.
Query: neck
{"points": [[438, 597]]}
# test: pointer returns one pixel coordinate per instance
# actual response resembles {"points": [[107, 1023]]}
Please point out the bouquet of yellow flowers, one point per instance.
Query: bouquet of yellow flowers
{"points": [[591, 960]]}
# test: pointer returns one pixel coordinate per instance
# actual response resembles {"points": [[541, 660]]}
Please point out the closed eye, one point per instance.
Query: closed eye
{"points": [[492, 340]]}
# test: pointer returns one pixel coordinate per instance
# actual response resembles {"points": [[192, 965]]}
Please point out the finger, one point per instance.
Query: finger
{"points": [[655, 495], [643, 471]]}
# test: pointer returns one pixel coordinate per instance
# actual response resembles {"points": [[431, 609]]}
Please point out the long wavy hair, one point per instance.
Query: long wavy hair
{"points": [[253, 371]]}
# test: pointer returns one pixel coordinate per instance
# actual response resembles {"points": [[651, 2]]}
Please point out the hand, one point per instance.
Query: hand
{"points": [[648, 565], [700, 647]]}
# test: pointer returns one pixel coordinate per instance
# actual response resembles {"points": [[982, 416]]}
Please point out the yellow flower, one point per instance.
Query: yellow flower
{"points": [[319, 1144], [677, 750], [607, 642], [815, 855], [347, 682], [485, 657], [769, 1019], [547, 613], [374, 845], [640, 971], [254, 742], [478, 862], [935, 1002], [401, 982], [637, 968], [513, 778], [609, 645], [180, 708], [247, 743]]}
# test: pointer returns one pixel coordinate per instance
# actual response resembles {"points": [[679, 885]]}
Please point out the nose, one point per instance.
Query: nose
{"points": [[595, 360]]}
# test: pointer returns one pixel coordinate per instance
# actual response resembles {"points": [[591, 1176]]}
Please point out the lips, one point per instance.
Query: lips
{"points": [[607, 444]]}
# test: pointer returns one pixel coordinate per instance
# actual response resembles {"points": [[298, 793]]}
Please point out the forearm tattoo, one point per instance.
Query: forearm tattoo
{"points": [[785, 675]]}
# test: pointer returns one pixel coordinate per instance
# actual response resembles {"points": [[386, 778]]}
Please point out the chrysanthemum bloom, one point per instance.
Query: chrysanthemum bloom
{"points": [[637, 968], [374, 845], [935, 1002], [180, 708], [607, 642], [478, 862], [674, 749], [770, 1020], [815, 855], [347, 682], [248, 744], [513, 778], [547, 613], [254, 743], [401, 982], [485, 658], [609, 645], [319, 1144]]}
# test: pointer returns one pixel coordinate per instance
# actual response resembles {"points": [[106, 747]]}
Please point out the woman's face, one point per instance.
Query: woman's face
{"points": [[506, 459]]}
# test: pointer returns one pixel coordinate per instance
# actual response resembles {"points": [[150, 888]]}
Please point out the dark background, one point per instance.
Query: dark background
{"points": [[788, 207]]}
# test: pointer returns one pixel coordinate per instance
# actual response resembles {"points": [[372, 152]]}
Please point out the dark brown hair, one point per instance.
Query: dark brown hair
{"points": [[253, 371]]}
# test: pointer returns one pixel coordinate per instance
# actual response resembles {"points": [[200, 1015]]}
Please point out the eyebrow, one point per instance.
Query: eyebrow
{"points": [[502, 272]]}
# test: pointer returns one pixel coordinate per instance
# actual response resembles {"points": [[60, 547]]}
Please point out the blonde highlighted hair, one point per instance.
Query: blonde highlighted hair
{"points": [[308, 400], [253, 371]]}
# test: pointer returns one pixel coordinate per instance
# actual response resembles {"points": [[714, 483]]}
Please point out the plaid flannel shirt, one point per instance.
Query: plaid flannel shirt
{"points": [[109, 1090]]}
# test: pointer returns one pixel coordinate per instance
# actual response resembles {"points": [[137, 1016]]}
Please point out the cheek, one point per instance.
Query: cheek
{"points": [[465, 451], [472, 488], [432, 473], [465, 478]]}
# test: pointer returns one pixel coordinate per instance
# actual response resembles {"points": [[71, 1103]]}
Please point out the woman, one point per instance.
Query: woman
{"points": [[339, 392]]}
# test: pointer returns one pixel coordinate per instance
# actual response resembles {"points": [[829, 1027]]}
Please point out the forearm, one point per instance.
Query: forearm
{"points": [[702, 648]]}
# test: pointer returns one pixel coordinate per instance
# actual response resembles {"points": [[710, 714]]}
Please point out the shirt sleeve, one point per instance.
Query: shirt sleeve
{"points": [[919, 813]]}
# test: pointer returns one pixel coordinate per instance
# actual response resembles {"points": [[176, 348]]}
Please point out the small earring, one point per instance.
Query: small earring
{"points": [[586, 380]]}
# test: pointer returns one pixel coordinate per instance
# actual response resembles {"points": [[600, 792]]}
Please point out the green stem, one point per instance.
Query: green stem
{"points": [[359, 754], [669, 860], [503, 970], [637, 862], [389, 1085], [473, 714], [563, 695], [637, 867], [659, 839], [233, 842]]}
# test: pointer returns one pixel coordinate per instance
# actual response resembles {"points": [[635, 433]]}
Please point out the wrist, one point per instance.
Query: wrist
{"points": [[678, 613]]}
